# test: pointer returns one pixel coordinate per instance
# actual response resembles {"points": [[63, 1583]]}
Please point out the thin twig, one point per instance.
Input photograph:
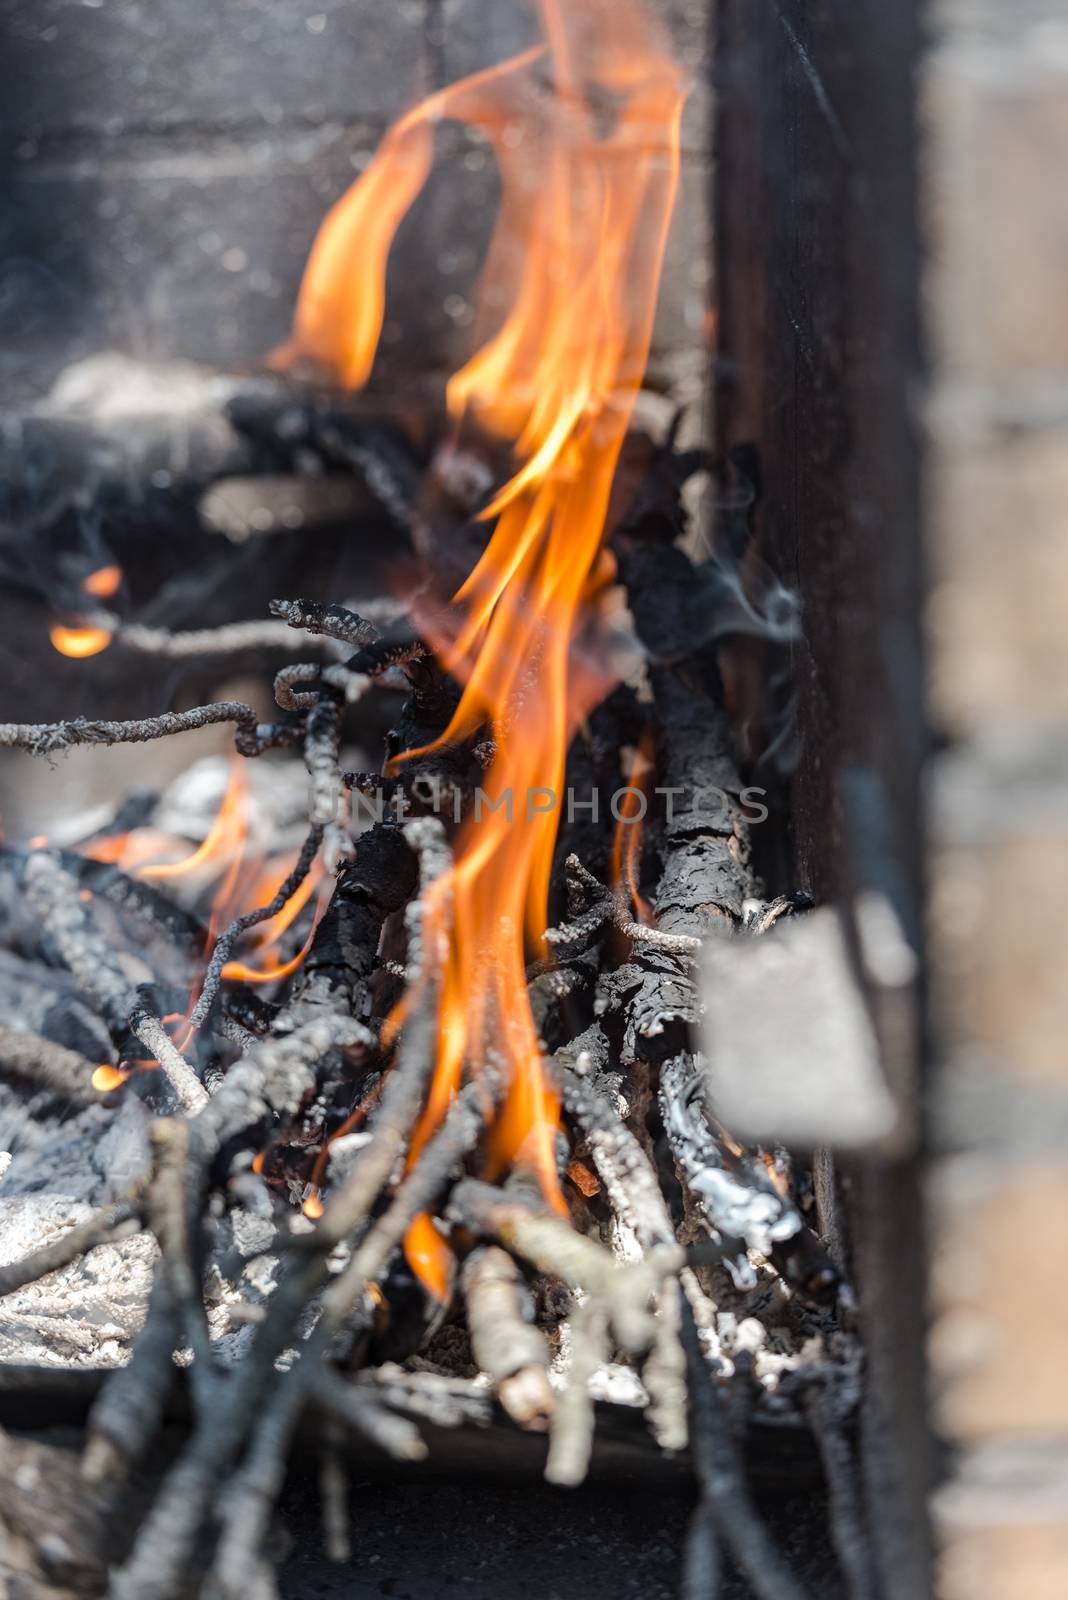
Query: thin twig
{"points": [[172, 1225], [234, 638], [129, 1408], [571, 1426], [612, 907], [46, 738], [725, 1497], [47, 1064], [849, 1533], [53, 894], [230, 935], [335, 622], [507, 1347]]}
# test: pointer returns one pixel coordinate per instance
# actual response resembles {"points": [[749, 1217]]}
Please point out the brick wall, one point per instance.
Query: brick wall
{"points": [[163, 169], [994, 110]]}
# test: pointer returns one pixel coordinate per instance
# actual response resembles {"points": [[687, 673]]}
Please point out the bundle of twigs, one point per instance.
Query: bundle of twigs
{"points": [[669, 1218]]}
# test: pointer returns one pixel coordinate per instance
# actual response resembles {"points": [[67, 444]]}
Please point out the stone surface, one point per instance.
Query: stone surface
{"points": [[999, 914], [996, 112], [791, 1051], [1000, 573], [999, 1299], [988, 1562]]}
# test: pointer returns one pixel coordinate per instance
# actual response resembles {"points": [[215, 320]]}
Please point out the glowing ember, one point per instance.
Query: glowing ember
{"points": [[588, 175], [106, 1078], [79, 642], [104, 582], [313, 1206], [627, 842]]}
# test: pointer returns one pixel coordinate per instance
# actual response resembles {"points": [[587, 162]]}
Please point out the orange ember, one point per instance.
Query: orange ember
{"points": [[79, 642], [106, 1078], [104, 582], [627, 842], [585, 133]]}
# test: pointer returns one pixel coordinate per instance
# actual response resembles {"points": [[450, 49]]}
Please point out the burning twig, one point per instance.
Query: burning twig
{"points": [[732, 1190], [623, 1167], [47, 1064], [611, 906], [53, 894], [252, 1493], [228, 938]]}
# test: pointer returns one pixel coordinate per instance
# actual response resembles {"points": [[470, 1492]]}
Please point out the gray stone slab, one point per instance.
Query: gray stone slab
{"points": [[791, 1052]]}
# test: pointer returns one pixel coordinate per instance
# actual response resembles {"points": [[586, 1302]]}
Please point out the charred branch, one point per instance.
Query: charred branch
{"points": [[48, 738], [53, 894]]}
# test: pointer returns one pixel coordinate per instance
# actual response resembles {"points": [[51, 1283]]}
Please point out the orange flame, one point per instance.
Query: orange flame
{"points": [[589, 169], [104, 582], [224, 840], [627, 842], [106, 1078], [79, 642], [239, 882], [240, 970]]}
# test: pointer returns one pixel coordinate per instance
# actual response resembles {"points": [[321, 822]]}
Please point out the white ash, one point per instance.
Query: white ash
{"points": [[84, 1313], [57, 1175]]}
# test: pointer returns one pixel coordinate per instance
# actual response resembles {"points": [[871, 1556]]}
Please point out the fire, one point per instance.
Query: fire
{"points": [[104, 582], [106, 1078], [275, 968], [79, 642], [223, 843], [232, 867], [627, 842], [589, 171]]}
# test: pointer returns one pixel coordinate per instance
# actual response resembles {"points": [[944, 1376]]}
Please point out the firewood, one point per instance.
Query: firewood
{"points": [[616, 1001]]}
